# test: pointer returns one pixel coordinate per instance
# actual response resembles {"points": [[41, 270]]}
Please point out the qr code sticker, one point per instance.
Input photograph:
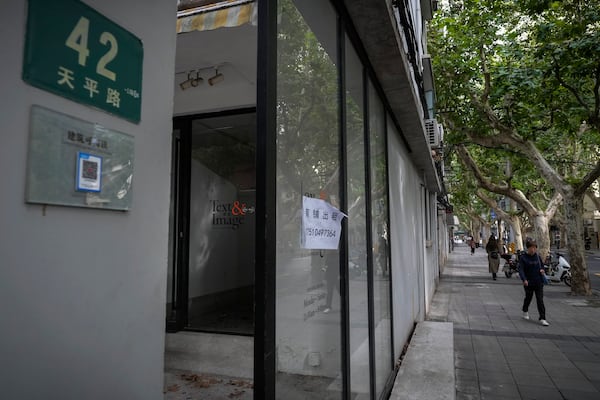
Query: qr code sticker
{"points": [[90, 170]]}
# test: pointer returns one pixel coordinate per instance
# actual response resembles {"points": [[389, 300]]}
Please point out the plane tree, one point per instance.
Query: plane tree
{"points": [[516, 183], [524, 76]]}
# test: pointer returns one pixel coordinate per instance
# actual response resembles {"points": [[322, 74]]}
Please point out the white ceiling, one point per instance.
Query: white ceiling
{"points": [[234, 50]]}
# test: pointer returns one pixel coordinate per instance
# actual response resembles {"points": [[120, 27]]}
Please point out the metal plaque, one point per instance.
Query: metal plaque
{"points": [[72, 162], [75, 52]]}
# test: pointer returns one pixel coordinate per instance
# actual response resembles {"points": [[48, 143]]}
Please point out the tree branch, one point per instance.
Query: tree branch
{"points": [[570, 88], [590, 193], [588, 179], [492, 204], [553, 205], [514, 194]]}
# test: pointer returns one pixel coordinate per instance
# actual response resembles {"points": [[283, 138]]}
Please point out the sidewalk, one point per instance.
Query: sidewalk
{"points": [[497, 354]]}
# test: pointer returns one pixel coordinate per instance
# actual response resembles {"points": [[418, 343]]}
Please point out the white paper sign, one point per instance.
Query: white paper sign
{"points": [[321, 224]]}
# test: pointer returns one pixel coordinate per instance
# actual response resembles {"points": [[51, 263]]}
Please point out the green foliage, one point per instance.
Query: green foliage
{"points": [[543, 63]]}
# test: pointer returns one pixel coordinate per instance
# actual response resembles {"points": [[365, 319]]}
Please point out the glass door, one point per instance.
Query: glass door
{"points": [[211, 281], [222, 223]]}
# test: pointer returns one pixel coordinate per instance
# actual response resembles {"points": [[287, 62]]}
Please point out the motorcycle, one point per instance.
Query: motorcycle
{"points": [[558, 270], [511, 265]]}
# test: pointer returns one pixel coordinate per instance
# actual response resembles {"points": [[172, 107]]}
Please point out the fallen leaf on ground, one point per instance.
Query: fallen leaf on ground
{"points": [[173, 388], [241, 383], [236, 393], [201, 381]]}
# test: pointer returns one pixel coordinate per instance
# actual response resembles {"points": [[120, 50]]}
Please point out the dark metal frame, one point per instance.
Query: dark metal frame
{"points": [[177, 318], [343, 185], [266, 191]]}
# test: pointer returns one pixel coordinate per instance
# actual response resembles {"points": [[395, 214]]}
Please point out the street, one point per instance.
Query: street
{"points": [[593, 263]]}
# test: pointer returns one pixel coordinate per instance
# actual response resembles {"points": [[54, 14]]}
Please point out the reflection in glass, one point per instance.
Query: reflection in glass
{"points": [[379, 222], [357, 240], [308, 299]]}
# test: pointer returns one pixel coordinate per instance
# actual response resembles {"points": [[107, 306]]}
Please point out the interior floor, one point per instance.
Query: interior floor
{"points": [[235, 319]]}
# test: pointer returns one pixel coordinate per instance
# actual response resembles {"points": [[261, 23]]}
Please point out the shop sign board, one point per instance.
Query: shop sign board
{"points": [[75, 52]]}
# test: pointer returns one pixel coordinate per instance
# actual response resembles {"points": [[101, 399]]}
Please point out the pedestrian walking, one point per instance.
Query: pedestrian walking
{"points": [[531, 271], [493, 252], [472, 244]]}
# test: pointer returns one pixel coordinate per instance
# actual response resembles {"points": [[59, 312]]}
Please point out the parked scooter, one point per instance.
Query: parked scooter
{"points": [[558, 270], [511, 265]]}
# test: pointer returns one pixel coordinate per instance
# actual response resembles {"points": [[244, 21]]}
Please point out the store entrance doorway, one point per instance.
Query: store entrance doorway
{"points": [[211, 279]]}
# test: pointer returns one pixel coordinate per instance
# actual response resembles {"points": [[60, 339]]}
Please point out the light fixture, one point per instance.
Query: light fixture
{"points": [[217, 78], [191, 81]]}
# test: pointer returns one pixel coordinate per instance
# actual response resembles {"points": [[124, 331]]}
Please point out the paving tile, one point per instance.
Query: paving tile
{"points": [[467, 396], [596, 383], [467, 383], [565, 373], [498, 389], [531, 367], [494, 396], [574, 394], [590, 369], [525, 378], [583, 385], [465, 363], [532, 392]]}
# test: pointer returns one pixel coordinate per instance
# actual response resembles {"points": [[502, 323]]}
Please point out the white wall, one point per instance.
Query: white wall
{"points": [[431, 265], [82, 291], [220, 257], [408, 242]]}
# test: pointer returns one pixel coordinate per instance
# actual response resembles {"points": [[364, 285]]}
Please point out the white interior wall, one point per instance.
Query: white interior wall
{"points": [[219, 260], [82, 291]]}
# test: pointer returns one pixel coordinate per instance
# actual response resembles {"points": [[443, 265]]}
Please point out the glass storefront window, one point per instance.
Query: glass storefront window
{"points": [[308, 318], [357, 224], [380, 237]]}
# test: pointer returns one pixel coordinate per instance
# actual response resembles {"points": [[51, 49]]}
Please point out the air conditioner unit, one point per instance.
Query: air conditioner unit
{"points": [[434, 132]]}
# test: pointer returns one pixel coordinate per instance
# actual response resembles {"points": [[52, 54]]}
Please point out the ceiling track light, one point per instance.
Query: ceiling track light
{"points": [[194, 79], [191, 81], [216, 79]]}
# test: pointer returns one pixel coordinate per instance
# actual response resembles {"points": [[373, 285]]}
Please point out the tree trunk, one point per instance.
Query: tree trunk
{"points": [[574, 223], [515, 223], [542, 234]]}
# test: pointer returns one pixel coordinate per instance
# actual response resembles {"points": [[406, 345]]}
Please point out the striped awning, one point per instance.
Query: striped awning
{"points": [[218, 15]]}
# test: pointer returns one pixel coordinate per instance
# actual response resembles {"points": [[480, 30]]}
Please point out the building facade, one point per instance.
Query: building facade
{"points": [[261, 125]]}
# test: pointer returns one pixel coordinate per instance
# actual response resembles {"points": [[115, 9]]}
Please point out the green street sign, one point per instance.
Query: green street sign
{"points": [[75, 52]]}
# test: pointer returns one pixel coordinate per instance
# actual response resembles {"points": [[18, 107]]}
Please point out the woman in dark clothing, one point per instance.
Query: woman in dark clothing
{"points": [[532, 274], [493, 252]]}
